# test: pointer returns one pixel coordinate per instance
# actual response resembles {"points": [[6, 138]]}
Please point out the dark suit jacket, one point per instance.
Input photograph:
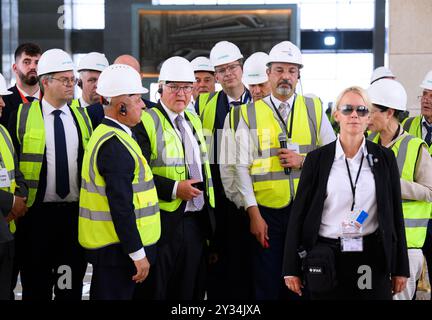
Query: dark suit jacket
{"points": [[43, 174], [96, 112], [116, 166], [6, 202], [165, 187], [12, 102], [305, 220]]}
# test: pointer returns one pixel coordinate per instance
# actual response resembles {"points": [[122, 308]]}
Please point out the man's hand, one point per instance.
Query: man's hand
{"points": [[19, 209], [294, 284], [142, 267], [258, 226], [290, 159], [398, 284], [186, 191]]}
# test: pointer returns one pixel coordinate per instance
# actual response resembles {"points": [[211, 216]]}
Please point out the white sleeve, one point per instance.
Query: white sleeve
{"points": [[138, 255], [326, 134], [244, 157]]}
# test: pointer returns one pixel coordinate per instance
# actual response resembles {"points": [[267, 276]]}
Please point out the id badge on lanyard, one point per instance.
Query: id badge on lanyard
{"points": [[351, 239], [4, 178]]}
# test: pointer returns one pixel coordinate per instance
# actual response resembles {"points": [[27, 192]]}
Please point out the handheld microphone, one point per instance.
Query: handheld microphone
{"points": [[283, 144]]}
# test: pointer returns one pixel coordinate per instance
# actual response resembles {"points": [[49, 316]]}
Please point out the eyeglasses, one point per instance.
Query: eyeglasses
{"points": [[67, 81], [230, 68], [348, 109], [175, 89]]}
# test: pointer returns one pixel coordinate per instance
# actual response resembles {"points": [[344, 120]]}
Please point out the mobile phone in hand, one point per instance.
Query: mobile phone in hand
{"points": [[199, 185]]}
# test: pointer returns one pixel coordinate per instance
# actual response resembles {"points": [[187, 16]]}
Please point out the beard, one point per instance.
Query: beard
{"points": [[284, 91], [29, 80]]}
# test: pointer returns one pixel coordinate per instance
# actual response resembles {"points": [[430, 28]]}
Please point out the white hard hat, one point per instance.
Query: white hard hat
{"points": [[286, 52], [119, 79], [177, 69], [93, 61], [54, 60], [254, 68], [202, 64], [427, 81], [3, 88], [388, 93], [381, 72], [224, 52]]}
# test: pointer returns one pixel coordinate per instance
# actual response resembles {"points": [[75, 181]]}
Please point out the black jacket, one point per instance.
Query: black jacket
{"points": [[12, 102], [165, 187], [305, 220]]}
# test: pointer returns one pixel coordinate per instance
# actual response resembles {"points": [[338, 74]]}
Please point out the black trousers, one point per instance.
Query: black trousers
{"points": [[52, 257], [269, 282], [6, 265], [112, 282], [231, 276], [350, 272], [179, 271], [427, 250]]}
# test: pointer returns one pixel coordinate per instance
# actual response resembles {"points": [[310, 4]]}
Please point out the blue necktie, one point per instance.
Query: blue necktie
{"points": [[61, 160], [428, 138]]}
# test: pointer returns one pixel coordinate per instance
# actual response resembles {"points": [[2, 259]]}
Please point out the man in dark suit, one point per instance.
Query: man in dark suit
{"points": [[51, 137], [96, 111], [121, 258], [172, 141], [13, 193], [26, 88]]}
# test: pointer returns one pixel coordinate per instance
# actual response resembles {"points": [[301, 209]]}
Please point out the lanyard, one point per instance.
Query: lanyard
{"points": [[354, 186], [24, 99], [291, 115]]}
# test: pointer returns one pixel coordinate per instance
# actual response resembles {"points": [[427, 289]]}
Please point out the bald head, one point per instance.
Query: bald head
{"points": [[128, 60]]}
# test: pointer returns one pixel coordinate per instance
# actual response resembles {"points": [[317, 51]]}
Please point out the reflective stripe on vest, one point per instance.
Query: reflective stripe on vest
{"points": [[414, 127], [416, 213], [272, 187], [7, 152], [96, 228], [31, 136], [167, 155]]}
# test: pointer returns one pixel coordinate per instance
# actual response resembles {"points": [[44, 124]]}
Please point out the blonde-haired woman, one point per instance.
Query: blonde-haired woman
{"points": [[346, 237]]}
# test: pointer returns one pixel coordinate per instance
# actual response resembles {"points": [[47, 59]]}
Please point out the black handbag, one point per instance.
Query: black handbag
{"points": [[319, 269]]}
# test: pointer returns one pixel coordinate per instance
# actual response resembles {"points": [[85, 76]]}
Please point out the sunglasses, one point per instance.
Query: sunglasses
{"points": [[348, 109]]}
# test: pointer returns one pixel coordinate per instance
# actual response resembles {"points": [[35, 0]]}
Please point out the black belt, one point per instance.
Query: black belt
{"points": [[336, 242]]}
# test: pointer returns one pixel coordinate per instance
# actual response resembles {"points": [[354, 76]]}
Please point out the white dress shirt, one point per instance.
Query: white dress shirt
{"points": [[339, 197], [241, 150], [424, 131], [140, 254], [197, 152], [72, 144], [35, 95], [83, 104]]}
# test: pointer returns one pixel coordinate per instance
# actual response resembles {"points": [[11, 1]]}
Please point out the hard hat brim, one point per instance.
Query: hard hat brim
{"points": [[5, 93]]}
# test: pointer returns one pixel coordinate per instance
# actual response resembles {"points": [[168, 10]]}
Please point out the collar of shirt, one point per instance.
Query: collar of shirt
{"points": [[230, 99], [401, 133], [83, 104], [124, 127], [36, 95], [423, 120], [339, 154], [171, 114], [47, 108], [277, 102]]}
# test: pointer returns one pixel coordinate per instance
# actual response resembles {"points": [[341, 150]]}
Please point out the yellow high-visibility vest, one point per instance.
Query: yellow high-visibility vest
{"points": [[95, 226], [167, 155], [272, 187]]}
